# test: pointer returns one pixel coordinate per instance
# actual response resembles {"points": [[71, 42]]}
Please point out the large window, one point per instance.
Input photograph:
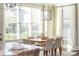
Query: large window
{"points": [[21, 22], [10, 23]]}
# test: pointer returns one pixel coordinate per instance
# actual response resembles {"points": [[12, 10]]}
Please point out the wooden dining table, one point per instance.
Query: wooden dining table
{"points": [[39, 40], [11, 48]]}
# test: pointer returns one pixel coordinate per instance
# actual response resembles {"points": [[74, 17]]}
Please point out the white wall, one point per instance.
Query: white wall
{"points": [[58, 22], [51, 24], [78, 26]]}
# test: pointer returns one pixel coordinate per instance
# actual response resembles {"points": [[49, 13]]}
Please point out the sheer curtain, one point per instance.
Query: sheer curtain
{"points": [[66, 26], [69, 26]]}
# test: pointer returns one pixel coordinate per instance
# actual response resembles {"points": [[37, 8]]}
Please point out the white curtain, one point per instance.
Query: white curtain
{"points": [[66, 25]]}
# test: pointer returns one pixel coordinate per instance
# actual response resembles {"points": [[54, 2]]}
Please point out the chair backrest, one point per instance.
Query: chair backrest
{"points": [[48, 44], [27, 41], [34, 52], [57, 43]]}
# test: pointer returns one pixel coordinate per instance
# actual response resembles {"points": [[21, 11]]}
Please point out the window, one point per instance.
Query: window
{"points": [[21, 22], [25, 22], [10, 23], [36, 22]]}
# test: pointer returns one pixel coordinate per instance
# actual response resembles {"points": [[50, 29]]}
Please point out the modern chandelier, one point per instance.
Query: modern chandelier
{"points": [[46, 12]]}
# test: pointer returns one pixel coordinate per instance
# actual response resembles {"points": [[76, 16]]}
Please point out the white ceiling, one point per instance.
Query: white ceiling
{"points": [[61, 4], [41, 4]]}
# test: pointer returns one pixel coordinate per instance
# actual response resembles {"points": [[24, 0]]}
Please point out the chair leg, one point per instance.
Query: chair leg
{"points": [[45, 53], [60, 49], [52, 52], [49, 51], [55, 51]]}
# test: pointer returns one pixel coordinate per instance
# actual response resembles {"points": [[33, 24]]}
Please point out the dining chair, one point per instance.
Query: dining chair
{"points": [[47, 46], [34, 52], [57, 45]]}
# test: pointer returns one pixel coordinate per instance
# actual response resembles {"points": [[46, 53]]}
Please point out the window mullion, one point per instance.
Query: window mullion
{"points": [[30, 24], [17, 24]]}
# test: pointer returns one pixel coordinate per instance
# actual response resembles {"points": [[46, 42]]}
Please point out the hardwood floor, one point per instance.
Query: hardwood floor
{"points": [[64, 53]]}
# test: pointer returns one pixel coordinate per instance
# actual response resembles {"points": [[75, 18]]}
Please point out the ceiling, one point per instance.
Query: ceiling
{"points": [[41, 4], [61, 4]]}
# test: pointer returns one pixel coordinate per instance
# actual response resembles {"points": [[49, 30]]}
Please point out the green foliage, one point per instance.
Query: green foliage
{"points": [[24, 35], [10, 36]]}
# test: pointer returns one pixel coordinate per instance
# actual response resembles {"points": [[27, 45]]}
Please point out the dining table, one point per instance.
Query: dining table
{"points": [[11, 48], [39, 40]]}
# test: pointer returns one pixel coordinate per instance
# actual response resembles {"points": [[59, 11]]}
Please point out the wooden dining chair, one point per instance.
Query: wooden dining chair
{"points": [[47, 46], [34, 52], [57, 45]]}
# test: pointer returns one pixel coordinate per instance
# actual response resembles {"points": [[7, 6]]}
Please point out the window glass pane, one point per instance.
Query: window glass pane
{"points": [[10, 31], [25, 14], [36, 15], [24, 30], [10, 16], [36, 22], [36, 29]]}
